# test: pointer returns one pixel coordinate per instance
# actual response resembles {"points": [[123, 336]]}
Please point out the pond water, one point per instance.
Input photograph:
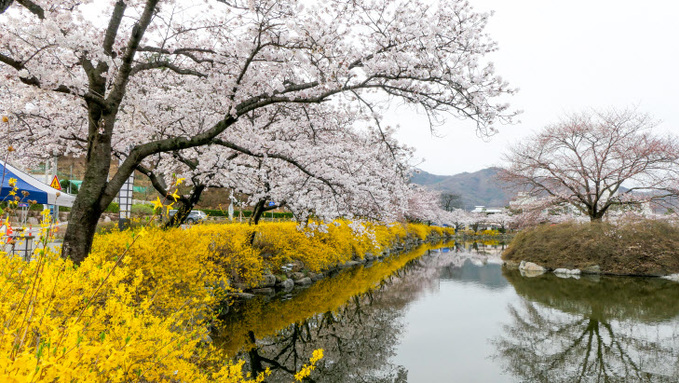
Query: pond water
{"points": [[453, 314]]}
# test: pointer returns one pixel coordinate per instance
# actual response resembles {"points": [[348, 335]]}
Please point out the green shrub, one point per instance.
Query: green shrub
{"points": [[113, 207], [141, 209]]}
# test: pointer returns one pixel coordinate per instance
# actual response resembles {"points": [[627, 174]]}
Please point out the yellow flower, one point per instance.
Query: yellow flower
{"points": [[142, 232], [174, 195], [12, 192], [5, 119], [306, 370], [180, 181], [12, 182], [157, 204]]}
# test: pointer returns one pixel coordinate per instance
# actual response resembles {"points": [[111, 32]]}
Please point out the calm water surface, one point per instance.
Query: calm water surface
{"points": [[453, 314]]}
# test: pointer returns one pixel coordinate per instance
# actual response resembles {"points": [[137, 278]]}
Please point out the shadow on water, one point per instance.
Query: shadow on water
{"points": [[595, 329], [355, 317]]}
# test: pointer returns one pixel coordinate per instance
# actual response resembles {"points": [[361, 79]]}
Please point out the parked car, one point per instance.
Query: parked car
{"points": [[194, 216]]}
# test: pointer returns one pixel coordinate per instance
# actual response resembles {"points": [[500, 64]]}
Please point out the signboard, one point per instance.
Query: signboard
{"points": [[55, 183], [272, 203]]}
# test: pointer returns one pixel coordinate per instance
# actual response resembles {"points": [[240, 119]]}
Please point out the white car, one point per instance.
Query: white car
{"points": [[194, 216]]}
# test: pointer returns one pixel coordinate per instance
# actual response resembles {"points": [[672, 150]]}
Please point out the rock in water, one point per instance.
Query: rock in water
{"points": [[268, 280], [595, 269], [530, 269], [287, 285]]}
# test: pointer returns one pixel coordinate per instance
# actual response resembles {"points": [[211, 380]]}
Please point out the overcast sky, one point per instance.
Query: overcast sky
{"points": [[564, 56]]}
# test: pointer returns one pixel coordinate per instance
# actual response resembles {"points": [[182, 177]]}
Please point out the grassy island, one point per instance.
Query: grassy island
{"points": [[647, 247]]}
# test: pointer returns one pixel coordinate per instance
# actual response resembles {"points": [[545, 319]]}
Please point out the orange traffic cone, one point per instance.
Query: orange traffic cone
{"points": [[9, 234]]}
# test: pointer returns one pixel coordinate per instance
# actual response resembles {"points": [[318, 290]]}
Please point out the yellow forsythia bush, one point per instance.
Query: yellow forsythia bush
{"points": [[117, 317], [139, 307]]}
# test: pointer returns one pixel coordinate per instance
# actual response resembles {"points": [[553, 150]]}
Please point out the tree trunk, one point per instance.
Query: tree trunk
{"points": [[87, 207], [4, 4], [254, 218], [187, 204], [257, 212]]}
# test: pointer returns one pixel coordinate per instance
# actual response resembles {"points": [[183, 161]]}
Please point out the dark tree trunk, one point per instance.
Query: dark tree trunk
{"points": [[254, 218], [4, 4], [187, 204], [257, 212], [87, 207]]}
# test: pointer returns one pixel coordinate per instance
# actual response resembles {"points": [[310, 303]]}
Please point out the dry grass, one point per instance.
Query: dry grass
{"points": [[640, 248]]}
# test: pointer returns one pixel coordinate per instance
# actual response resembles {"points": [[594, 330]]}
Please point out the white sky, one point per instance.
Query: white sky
{"points": [[564, 56]]}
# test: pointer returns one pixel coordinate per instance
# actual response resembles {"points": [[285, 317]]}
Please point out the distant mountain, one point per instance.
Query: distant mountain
{"points": [[478, 188]]}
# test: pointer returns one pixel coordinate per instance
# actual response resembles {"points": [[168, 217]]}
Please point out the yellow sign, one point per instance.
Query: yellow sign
{"points": [[55, 183]]}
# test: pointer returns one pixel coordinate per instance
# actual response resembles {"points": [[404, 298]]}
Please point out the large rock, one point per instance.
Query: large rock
{"points": [[316, 276], [563, 271], [304, 282], [567, 273], [530, 266], [33, 221], [239, 286], [594, 269], [287, 285], [349, 264], [263, 291], [672, 277], [296, 276], [511, 265], [358, 259], [530, 269], [268, 280]]}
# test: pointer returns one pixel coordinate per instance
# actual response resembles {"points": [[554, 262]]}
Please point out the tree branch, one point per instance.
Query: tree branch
{"points": [[113, 25], [33, 8]]}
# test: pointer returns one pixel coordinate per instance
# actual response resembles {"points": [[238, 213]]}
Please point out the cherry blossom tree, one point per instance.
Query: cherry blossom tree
{"points": [[459, 219], [144, 77], [585, 159], [424, 205], [450, 201], [345, 169]]}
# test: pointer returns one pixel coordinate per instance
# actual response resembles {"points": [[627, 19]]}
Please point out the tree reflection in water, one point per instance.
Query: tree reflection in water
{"points": [[355, 317], [592, 330], [357, 340]]}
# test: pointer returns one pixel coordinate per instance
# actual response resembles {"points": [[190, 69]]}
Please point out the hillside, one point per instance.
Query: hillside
{"points": [[478, 188]]}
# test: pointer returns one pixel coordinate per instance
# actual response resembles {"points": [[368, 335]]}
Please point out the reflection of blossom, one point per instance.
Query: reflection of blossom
{"points": [[359, 335], [576, 334]]}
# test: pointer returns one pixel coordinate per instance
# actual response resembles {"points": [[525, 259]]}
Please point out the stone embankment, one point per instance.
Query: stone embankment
{"points": [[288, 279]]}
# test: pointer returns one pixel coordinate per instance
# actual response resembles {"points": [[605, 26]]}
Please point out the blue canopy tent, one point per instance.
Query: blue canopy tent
{"points": [[37, 190]]}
